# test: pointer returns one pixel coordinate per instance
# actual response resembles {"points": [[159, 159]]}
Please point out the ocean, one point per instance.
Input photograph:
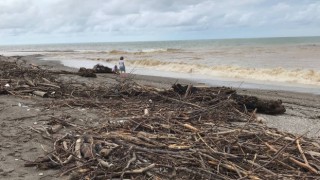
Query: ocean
{"points": [[265, 63]]}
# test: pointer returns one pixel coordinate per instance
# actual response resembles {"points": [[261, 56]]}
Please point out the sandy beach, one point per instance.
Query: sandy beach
{"points": [[19, 142]]}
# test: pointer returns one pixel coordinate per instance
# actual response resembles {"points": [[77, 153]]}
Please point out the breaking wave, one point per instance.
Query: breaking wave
{"points": [[143, 51], [301, 76], [117, 52]]}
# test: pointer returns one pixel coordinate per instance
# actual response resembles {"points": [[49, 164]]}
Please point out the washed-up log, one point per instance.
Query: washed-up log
{"points": [[49, 85], [46, 80], [263, 106], [41, 93], [98, 68], [84, 72]]}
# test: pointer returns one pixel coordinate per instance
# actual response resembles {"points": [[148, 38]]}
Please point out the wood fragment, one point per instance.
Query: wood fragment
{"points": [[188, 91], [105, 163], [41, 93], [78, 150]]}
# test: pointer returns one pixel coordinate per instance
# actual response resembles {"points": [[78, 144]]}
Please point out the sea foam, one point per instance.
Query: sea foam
{"points": [[301, 76]]}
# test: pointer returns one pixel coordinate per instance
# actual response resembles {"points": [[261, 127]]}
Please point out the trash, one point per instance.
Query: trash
{"points": [[7, 85], [40, 174]]}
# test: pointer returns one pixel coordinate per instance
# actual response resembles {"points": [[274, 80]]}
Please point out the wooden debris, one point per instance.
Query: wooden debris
{"points": [[41, 93], [87, 72], [197, 136]]}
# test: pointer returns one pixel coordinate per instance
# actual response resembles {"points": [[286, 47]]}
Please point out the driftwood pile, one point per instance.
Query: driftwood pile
{"points": [[162, 134], [21, 79], [154, 134], [98, 68]]}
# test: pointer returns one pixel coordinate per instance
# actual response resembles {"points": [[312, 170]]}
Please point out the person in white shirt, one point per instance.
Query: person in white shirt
{"points": [[122, 67]]}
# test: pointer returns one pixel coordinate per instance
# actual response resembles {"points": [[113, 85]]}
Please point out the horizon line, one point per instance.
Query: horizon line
{"points": [[168, 40]]}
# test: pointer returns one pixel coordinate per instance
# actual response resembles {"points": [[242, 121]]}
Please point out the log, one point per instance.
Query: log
{"points": [[50, 85], [262, 105], [47, 81], [188, 126], [41, 94], [29, 82], [77, 150]]}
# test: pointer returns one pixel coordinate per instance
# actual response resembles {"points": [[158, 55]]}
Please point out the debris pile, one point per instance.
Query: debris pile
{"points": [[157, 134], [98, 68], [150, 133], [84, 72], [21, 79]]}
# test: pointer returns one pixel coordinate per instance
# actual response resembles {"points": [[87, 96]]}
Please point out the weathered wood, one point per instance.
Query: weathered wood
{"points": [[49, 85], [263, 106], [84, 72], [41, 93], [77, 150], [188, 91], [29, 82]]}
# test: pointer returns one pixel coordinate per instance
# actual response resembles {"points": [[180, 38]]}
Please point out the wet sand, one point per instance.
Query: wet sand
{"points": [[18, 142]]}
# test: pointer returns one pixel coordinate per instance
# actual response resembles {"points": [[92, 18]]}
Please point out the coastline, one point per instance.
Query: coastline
{"points": [[19, 142], [303, 113]]}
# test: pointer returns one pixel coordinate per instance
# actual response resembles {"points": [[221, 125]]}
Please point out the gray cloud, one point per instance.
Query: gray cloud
{"points": [[131, 17]]}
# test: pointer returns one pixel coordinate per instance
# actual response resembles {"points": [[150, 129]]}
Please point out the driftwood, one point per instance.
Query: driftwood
{"points": [[263, 106], [155, 134], [183, 89], [87, 72], [40, 93], [244, 102], [207, 134], [98, 68]]}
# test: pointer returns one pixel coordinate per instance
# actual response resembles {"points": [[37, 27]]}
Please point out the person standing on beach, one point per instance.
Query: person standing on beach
{"points": [[122, 67]]}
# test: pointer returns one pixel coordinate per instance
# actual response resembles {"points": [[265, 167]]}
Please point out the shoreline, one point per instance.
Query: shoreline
{"points": [[303, 113], [20, 117], [212, 81]]}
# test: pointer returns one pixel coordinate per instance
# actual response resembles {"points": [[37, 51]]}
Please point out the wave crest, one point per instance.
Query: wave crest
{"points": [[301, 76], [144, 51]]}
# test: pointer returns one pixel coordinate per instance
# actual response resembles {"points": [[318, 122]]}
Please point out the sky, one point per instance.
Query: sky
{"points": [[70, 21]]}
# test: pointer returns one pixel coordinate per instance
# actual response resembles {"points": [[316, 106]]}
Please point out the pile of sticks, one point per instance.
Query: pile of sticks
{"points": [[151, 133], [158, 134], [21, 79]]}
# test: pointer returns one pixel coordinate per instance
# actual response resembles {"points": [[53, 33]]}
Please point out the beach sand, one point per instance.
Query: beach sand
{"points": [[19, 142]]}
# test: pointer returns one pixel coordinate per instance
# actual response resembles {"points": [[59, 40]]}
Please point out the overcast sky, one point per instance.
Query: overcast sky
{"points": [[55, 21]]}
